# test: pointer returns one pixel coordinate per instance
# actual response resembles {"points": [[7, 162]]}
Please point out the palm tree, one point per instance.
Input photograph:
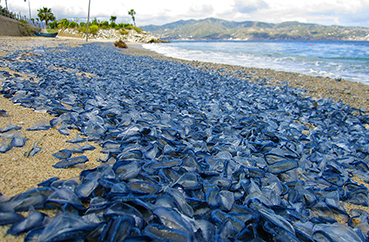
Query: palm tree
{"points": [[113, 18], [132, 13], [45, 14]]}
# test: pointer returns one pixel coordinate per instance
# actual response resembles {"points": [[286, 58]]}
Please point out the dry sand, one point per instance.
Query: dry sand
{"points": [[19, 174]]}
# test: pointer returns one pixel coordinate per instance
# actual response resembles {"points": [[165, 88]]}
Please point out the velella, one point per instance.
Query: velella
{"points": [[12, 139], [63, 154], [10, 218], [189, 154], [10, 127], [43, 124], [71, 162], [33, 221]]}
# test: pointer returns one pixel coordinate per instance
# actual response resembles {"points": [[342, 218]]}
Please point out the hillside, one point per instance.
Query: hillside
{"points": [[217, 29]]}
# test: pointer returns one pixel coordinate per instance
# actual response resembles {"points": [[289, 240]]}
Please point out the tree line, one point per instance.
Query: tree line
{"points": [[45, 14]]}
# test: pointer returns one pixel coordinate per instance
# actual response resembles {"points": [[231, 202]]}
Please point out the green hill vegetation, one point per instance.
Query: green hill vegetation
{"points": [[94, 26], [217, 29]]}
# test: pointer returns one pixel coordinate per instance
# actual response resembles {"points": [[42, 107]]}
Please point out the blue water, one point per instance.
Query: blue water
{"points": [[348, 60]]}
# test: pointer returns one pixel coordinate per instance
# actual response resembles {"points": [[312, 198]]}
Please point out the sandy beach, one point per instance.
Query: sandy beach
{"points": [[20, 173]]}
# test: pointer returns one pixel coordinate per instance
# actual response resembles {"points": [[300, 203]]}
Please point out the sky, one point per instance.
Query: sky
{"points": [[159, 12]]}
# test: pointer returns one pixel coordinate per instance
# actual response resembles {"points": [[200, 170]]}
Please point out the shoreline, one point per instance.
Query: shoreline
{"points": [[23, 173]]}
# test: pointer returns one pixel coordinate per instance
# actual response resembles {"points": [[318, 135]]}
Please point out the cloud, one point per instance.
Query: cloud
{"points": [[154, 20], [247, 7], [205, 9], [359, 18], [329, 12], [342, 12], [68, 12], [353, 15], [198, 10]]}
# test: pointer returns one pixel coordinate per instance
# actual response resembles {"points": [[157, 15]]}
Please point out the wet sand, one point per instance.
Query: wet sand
{"points": [[20, 173]]}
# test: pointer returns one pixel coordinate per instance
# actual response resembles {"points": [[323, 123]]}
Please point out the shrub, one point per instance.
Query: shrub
{"points": [[93, 29], [123, 32], [72, 24], [127, 26], [113, 25], [104, 25], [6, 12], [54, 24], [64, 23], [95, 22], [130, 26], [137, 29], [83, 29]]}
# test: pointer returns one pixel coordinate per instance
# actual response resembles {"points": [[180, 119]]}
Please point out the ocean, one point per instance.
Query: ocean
{"points": [[347, 60]]}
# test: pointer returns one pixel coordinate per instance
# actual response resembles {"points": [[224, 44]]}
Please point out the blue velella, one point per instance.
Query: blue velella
{"points": [[189, 154]]}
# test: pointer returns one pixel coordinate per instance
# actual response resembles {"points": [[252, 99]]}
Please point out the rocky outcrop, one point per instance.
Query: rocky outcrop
{"points": [[112, 34]]}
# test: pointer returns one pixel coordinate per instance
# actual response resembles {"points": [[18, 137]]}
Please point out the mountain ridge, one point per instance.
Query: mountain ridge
{"points": [[219, 29]]}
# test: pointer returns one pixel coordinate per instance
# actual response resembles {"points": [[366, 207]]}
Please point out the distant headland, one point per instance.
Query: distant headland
{"points": [[218, 29]]}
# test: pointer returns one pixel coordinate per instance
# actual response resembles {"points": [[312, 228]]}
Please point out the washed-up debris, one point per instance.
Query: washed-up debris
{"points": [[78, 139], [192, 155], [71, 162], [120, 44], [3, 113], [10, 127], [12, 139], [43, 124], [34, 149]]}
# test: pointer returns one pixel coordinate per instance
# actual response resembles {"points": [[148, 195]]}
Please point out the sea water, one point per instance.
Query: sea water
{"points": [[347, 60]]}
